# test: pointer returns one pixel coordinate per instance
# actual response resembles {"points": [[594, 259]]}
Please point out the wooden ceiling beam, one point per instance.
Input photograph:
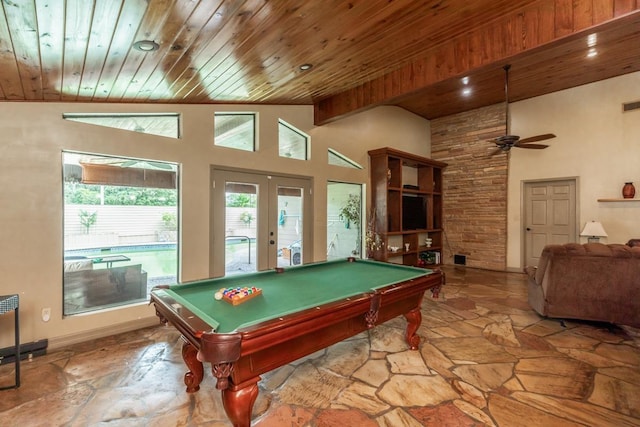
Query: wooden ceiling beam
{"points": [[534, 26]]}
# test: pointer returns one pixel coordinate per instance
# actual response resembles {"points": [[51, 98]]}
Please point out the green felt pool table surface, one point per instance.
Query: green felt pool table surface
{"points": [[290, 291]]}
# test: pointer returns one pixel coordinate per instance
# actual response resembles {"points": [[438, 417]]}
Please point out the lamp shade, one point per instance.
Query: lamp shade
{"points": [[593, 229]]}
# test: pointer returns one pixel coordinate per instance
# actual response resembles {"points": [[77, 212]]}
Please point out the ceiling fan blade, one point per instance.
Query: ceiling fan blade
{"points": [[534, 146], [536, 138]]}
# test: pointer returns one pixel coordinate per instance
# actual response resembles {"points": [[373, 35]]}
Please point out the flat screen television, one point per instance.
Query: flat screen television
{"points": [[414, 213]]}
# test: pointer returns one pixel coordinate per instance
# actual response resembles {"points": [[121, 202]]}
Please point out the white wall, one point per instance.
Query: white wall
{"points": [[596, 142], [34, 135]]}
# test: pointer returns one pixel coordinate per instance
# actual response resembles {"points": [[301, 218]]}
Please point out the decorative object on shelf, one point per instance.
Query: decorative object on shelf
{"points": [[628, 190], [593, 231], [394, 248], [389, 176], [428, 242], [430, 257], [372, 239], [407, 246]]}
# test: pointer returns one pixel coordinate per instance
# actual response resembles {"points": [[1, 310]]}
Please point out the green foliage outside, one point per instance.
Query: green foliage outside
{"points": [[246, 218], [240, 200], [84, 194], [170, 220], [350, 214], [87, 219]]}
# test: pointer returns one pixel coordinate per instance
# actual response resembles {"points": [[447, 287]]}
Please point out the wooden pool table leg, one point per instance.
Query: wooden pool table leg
{"points": [[193, 378], [238, 401], [414, 318]]}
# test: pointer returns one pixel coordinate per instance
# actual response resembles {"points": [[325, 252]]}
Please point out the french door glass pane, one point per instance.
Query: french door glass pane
{"points": [[241, 220], [290, 223]]}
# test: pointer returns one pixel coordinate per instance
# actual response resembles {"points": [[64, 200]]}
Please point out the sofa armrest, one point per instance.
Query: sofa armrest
{"points": [[531, 270], [633, 242]]}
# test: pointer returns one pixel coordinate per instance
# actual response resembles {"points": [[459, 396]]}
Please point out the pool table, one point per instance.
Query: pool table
{"points": [[301, 310]]}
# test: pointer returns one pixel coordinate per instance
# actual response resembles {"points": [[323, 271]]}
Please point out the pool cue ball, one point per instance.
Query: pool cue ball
{"points": [[218, 295]]}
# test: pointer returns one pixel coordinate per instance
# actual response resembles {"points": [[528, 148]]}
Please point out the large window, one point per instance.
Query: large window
{"points": [[120, 230], [344, 220], [235, 130]]}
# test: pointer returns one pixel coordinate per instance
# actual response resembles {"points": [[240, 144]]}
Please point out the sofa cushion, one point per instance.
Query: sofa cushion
{"points": [[78, 265]]}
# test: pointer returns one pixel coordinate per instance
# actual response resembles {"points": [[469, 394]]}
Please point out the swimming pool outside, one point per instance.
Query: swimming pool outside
{"points": [[158, 260]]}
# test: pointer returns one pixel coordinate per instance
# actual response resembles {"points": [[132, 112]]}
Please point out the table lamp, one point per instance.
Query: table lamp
{"points": [[593, 231]]}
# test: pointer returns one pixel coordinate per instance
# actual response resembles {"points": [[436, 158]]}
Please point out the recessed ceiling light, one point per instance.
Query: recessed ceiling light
{"points": [[146, 45], [305, 67]]}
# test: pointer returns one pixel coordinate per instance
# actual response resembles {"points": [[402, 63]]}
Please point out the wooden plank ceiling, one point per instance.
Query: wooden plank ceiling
{"points": [[364, 53]]}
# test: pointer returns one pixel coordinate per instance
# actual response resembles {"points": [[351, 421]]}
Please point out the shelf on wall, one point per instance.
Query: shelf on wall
{"points": [[619, 200]]}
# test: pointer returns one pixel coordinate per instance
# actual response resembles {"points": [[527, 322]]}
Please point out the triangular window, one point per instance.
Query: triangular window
{"points": [[161, 124], [292, 142], [338, 159]]}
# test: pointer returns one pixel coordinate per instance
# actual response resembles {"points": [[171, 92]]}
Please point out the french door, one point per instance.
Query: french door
{"points": [[259, 222]]}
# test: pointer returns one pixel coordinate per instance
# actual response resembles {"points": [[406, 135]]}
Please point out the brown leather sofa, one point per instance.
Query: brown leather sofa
{"points": [[593, 281]]}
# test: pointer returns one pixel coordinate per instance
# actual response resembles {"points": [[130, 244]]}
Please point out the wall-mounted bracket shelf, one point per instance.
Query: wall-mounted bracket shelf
{"points": [[619, 200]]}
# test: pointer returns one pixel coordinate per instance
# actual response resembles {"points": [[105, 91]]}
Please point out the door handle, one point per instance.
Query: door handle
{"points": [[272, 242]]}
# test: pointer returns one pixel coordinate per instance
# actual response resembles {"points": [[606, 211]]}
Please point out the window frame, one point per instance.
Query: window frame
{"points": [[295, 130], [254, 135], [87, 255]]}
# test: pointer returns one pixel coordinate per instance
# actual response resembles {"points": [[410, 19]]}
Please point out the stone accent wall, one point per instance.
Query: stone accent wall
{"points": [[475, 186]]}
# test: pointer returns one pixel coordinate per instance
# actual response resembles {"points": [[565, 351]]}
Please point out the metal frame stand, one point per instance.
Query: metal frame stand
{"points": [[10, 303]]}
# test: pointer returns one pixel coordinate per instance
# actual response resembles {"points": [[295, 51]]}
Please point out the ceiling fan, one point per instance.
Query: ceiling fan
{"points": [[506, 142]]}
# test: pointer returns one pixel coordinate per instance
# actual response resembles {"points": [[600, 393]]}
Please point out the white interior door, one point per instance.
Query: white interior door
{"points": [[549, 216]]}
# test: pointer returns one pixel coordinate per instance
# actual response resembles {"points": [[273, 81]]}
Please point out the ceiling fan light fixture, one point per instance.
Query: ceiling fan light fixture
{"points": [[305, 67], [505, 142], [146, 46]]}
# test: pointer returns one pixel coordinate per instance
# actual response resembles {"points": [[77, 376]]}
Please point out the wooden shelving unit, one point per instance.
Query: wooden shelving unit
{"points": [[396, 175]]}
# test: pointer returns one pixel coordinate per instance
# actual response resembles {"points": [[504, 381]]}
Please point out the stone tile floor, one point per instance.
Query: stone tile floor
{"points": [[485, 359]]}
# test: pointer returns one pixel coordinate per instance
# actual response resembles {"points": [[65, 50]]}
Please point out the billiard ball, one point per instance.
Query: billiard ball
{"points": [[218, 295]]}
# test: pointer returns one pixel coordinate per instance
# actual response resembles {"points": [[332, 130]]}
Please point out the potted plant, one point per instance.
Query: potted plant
{"points": [[87, 219], [350, 214], [246, 217], [170, 225]]}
